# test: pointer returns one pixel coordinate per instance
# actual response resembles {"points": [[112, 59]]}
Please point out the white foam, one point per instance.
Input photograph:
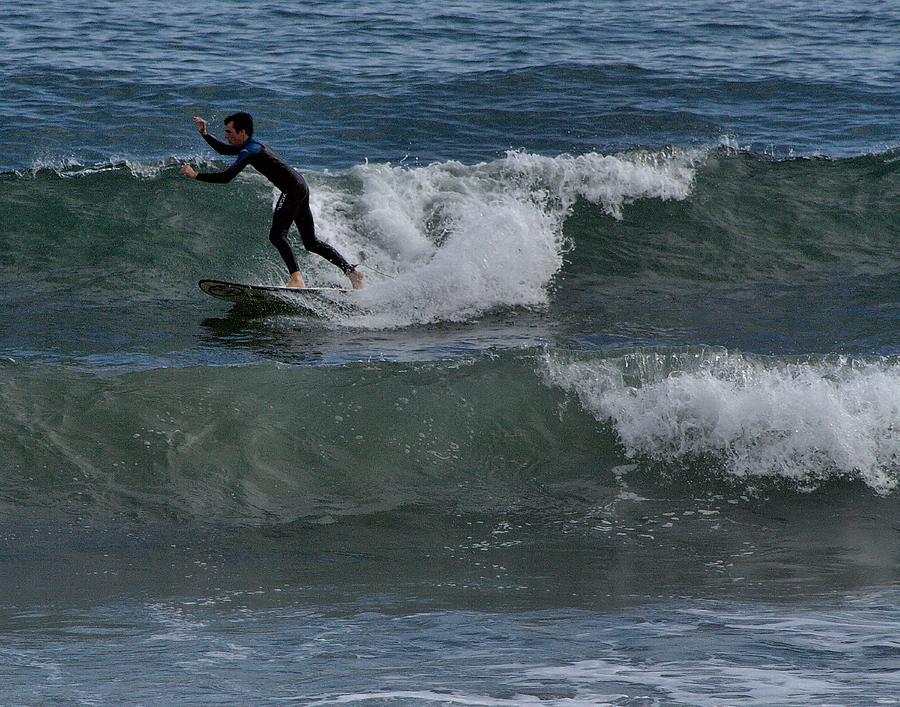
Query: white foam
{"points": [[71, 167], [61, 166], [612, 181], [461, 240], [803, 420]]}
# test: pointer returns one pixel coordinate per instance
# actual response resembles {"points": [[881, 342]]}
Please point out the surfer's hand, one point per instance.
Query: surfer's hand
{"points": [[201, 124], [188, 171]]}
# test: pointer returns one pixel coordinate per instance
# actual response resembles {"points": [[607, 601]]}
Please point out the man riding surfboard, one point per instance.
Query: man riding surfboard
{"points": [[293, 204]]}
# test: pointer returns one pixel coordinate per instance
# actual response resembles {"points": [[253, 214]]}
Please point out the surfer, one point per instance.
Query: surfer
{"points": [[293, 204]]}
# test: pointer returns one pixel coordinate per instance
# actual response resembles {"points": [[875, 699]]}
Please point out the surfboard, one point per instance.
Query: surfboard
{"points": [[316, 300]]}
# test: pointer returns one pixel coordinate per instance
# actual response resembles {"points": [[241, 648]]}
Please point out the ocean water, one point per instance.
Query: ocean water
{"points": [[616, 420]]}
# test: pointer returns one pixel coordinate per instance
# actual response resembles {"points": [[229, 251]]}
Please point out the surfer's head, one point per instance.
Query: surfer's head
{"points": [[238, 128]]}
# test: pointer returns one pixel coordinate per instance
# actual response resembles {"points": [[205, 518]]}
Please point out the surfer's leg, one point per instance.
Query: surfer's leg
{"points": [[307, 228], [285, 212]]}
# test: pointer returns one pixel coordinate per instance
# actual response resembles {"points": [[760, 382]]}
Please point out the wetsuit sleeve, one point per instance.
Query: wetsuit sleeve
{"points": [[223, 148], [242, 161]]}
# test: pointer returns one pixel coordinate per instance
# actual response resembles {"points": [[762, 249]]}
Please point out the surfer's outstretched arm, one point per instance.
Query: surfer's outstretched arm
{"points": [[245, 150], [223, 148]]}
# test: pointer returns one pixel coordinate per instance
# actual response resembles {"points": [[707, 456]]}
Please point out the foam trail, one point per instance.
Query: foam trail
{"points": [[802, 421]]}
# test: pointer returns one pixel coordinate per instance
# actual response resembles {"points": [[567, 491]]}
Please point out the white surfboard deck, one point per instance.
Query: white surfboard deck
{"points": [[316, 300]]}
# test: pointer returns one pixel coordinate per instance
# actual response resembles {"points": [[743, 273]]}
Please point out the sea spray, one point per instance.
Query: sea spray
{"points": [[462, 240]]}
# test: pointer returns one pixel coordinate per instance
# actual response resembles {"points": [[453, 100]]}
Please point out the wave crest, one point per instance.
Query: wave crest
{"points": [[803, 421]]}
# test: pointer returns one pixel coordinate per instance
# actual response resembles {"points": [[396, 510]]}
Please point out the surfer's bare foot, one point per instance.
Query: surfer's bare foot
{"points": [[296, 280], [356, 279]]}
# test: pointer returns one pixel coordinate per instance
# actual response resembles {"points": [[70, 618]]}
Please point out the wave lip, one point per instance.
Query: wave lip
{"points": [[805, 421]]}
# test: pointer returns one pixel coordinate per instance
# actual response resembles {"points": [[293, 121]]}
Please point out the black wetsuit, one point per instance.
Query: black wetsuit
{"points": [[293, 204]]}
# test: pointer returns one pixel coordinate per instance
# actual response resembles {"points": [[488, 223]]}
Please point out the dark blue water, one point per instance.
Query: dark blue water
{"points": [[333, 84], [615, 420]]}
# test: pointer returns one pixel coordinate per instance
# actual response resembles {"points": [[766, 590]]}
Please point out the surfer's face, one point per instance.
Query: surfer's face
{"points": [[235, 138]]}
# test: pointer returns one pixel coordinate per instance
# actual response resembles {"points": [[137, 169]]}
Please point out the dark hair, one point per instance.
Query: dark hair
{"points": [[242, 121]]}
